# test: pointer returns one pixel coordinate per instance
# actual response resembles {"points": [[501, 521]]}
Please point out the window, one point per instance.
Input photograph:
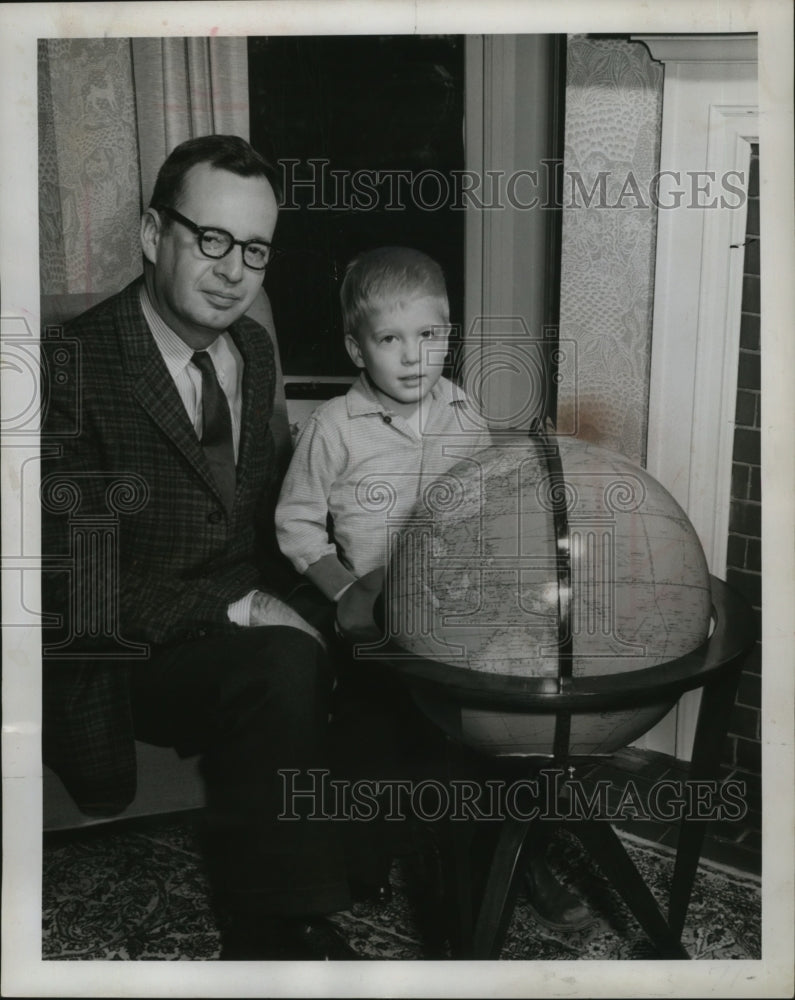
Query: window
{"points": [[369, 130]]}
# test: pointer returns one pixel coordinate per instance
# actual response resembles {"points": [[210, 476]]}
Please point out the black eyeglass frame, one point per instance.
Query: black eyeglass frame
{"points": [[200, 231]]}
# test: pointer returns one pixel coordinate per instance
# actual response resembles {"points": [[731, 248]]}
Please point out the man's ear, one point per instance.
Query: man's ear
{"points": [[150, 234], [354, 350]]}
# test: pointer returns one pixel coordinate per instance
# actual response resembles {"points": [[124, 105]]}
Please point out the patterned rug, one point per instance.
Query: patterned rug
{"points": [[139, 891]]}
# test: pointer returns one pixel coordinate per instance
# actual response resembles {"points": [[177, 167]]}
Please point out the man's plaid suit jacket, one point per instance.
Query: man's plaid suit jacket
{"points": [[138, 549]]}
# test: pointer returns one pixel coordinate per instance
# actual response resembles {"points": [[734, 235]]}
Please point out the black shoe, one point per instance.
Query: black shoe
{"points": [[379, 893], [288, 939]]}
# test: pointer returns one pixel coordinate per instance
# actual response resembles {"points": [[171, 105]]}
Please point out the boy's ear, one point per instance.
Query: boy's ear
{"points": [[354, 350]]}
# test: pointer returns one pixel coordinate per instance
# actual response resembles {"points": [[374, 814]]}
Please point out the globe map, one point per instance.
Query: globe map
{"points": [[474, 582]]}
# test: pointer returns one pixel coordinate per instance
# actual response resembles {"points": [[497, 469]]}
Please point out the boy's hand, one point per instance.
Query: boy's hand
{"points": [[355, 616], [329, 576], [269, 610]]}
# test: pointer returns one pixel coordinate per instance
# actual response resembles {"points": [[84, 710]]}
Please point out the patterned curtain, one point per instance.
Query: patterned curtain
{"points": [[186, 87], [110, 111], [613, 123], [89, 180]]}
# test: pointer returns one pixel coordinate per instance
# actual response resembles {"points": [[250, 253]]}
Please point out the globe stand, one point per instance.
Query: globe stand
{"points": [[714, 668]]}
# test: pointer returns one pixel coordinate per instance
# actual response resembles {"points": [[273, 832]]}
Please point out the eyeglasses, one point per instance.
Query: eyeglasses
{"points": [[216, 243]]}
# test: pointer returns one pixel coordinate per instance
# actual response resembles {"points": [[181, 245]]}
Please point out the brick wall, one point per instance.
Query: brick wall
{"points": [[742, 751]]}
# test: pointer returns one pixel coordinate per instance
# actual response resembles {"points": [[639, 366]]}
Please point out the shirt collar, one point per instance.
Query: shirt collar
{"points": [[176, 353], [361, 397]]}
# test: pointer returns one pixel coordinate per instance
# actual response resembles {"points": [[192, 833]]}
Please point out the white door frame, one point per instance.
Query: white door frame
{"points": [[709, 120]]}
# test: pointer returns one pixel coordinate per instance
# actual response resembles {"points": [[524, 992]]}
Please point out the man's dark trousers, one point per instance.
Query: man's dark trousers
{"points": [[251, 703]]}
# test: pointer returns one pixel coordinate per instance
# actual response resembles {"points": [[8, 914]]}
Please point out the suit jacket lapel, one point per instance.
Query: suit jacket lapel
{"points": [[153, 387]]}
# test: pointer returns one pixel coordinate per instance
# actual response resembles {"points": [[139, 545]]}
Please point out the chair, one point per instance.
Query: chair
{"points": [[479, 921], [166, 782]]}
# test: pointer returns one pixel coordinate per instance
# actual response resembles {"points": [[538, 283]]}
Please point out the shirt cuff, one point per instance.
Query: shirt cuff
{"points": [[239, 613], [302, 560]]}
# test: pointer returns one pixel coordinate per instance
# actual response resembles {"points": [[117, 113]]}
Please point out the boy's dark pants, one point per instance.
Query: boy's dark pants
{"points": [[376, 735]]}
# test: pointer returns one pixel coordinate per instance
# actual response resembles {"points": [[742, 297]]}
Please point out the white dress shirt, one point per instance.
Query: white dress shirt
{"points": [[177, 355]]}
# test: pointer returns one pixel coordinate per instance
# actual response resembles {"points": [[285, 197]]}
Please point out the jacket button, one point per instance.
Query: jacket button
{"points": [[215, 517], [387, 419]]}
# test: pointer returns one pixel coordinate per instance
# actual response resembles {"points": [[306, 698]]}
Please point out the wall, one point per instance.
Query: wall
{"points": [[613, 121]]}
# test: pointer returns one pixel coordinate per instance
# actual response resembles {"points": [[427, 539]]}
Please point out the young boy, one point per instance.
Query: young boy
{"points": [[360, 466], [363, 459]]}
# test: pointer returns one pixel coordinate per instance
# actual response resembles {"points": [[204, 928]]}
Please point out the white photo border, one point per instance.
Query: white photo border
{"points": [[24, 973]]}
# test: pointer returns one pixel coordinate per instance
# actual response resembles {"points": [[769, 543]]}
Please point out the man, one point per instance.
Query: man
{"points": [[176, 391]]}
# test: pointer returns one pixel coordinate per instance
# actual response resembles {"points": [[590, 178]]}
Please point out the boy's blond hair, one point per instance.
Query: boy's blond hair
{"points": [[389, 274]]}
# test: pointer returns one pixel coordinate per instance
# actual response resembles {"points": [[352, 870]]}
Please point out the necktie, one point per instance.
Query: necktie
{"points": [[216, 436]]}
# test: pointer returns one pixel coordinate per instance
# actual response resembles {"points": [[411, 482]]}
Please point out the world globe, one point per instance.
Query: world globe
{"points": [[544, 557]]}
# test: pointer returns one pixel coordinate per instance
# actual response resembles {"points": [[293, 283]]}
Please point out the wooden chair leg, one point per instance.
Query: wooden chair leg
{"points": [[609, 853], [499, 895]]}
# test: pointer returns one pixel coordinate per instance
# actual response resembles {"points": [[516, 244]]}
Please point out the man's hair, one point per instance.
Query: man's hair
{"points": [[223, 152], [389, 274]]}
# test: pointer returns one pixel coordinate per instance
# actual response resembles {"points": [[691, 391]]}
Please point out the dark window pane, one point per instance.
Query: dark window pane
{"points": [[369, 130]]}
